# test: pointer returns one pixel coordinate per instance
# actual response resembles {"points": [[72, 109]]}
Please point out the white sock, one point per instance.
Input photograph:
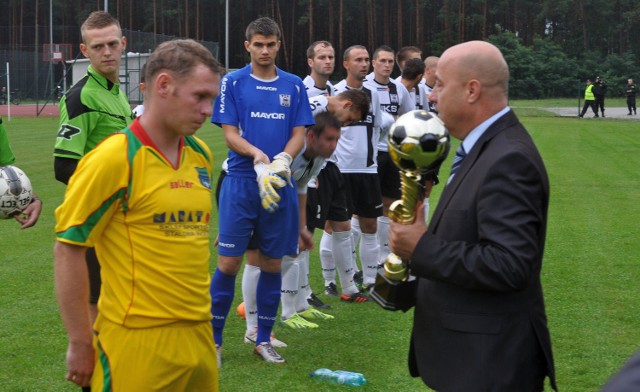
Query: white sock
{"points": [[289, 289], [304, 291], [326, 259], [250, 278], [383, 238], [425, 206], [369, 249], [342, 251], [356, 233]]}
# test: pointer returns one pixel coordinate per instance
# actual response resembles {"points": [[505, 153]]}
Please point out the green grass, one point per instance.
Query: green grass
{"points": [[590, 276]]}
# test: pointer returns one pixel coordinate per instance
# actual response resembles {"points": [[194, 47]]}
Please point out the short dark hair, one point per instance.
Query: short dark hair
{"points": [[405, 53], [179, 57], [311, 50], [347, 51], [263, 26], [412, 68], [383, 48], [323, 121], [98, 20], [359, 100]]}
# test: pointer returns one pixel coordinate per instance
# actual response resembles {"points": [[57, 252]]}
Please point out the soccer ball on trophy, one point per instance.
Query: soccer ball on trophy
{"points": [[15, 191], [418, 141]]}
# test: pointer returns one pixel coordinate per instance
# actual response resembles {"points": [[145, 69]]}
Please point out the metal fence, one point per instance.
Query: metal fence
{"points": [[32, 79]]}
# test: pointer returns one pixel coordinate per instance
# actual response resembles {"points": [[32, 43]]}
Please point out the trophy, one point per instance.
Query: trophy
{"points": [[418, 143]]}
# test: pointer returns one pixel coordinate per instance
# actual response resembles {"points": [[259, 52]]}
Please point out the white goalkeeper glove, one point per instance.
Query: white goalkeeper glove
{"points": [[281, 166], [268, 182]]}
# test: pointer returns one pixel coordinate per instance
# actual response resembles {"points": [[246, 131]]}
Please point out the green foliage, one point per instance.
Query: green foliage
{"points": [[589, 275], [537, 71], [544, 70]]}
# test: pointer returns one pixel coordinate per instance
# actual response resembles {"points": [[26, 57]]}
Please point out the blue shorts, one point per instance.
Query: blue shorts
{"points": [[242, 215]]}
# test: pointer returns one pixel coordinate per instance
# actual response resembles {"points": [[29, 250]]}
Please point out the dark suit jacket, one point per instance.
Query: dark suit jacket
{"points": [[627, 379], [480, 322]]}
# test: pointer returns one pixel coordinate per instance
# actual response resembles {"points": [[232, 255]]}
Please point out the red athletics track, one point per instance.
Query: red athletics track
{"points": [[30, 110]]}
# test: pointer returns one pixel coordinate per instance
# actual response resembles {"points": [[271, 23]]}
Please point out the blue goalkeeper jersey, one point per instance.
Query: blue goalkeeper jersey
{"points": [[265, 112]]}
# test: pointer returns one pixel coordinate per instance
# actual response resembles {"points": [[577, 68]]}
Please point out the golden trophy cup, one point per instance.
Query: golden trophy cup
{"points": [[418, 143]]}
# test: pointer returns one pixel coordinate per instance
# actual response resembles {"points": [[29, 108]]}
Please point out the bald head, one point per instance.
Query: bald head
{"points": [[430, 68], [472, 81], [481, 61]]}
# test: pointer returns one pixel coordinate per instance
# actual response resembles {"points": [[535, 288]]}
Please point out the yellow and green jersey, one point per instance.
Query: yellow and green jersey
{"points": [[149, 223], [91, 110]]}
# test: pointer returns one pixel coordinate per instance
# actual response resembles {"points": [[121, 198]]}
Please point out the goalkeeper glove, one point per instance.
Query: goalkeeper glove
{"points": [[281, 166], [268, 182]]}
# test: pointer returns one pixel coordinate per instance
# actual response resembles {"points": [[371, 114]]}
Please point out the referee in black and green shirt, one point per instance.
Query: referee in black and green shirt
{"points": [[93, 109]]}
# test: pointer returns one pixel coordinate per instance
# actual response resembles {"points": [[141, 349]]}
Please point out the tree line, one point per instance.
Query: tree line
{"points": [[551, 45]]}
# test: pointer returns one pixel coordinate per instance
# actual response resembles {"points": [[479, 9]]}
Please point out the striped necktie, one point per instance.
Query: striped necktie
{"points": [[457, 161]]}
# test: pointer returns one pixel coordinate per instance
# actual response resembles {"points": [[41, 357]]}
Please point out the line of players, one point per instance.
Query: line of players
{"points": [[370, 184], [344, 189], [348, 185]]}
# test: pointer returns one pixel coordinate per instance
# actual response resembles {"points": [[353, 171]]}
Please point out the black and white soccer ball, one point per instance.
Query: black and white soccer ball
{"points": [[418, 141], [15, 191]]}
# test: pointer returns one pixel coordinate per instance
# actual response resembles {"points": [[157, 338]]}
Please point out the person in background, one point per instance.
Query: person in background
{"points": [[91, 110], [263, 112], [599, 92], [630, 90], [589, 100]]}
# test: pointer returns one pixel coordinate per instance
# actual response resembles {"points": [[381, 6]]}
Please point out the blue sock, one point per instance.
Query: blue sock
{"points": [[222, 289], [268, 298]]}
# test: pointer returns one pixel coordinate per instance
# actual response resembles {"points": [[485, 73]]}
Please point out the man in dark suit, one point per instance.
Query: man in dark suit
{"points": [[627, 379], [479, 322]]}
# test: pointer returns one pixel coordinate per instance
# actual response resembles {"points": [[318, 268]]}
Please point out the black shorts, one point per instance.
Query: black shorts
{"points": [[364, 197], [329, 200], [389, 176]]}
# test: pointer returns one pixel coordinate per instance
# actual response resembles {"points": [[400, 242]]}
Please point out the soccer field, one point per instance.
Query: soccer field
{"points": [[590, 275]]}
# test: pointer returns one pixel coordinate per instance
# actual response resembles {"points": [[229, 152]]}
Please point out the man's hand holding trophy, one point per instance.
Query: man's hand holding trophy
{"points": [[418, 143]]}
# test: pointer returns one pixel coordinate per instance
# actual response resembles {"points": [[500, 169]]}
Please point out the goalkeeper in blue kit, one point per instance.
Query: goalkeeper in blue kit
{"points": [[263, 112]]}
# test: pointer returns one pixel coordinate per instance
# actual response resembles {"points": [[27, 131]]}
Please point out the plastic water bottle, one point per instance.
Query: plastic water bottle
{"points": [[340, 377]]}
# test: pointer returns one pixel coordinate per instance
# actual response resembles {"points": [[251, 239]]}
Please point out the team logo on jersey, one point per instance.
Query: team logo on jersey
{"points": [[223, 91], [394, 98], [285, 100], [181, 216], [203, 176], [68, 131], [268, 116]]}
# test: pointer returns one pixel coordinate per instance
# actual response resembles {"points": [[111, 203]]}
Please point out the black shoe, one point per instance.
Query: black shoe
{"points": [[316, 302], [596, 116], [628, 114], [357, 298], [357, 278], [580, 115], [331, 290], [603, 115]]}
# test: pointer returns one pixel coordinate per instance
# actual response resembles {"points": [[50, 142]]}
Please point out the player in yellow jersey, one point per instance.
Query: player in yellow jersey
{"points": [[143, 199]]}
